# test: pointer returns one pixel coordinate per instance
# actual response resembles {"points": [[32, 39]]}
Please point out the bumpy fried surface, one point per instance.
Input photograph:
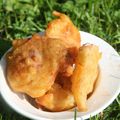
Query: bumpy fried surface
{"points": [[85, 74], [33, 65], [63, 28], [18, 42], [57, 99]]}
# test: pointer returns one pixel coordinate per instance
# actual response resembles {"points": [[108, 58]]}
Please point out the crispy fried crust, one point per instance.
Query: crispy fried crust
{"points": [[64, 29], [56, 99], [33, 66], [85, 74]]}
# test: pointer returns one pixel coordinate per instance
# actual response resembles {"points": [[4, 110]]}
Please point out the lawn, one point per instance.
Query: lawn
{"points": [[22, 18]]}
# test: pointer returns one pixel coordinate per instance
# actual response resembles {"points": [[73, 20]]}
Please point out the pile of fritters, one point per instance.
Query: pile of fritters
{"points": [[42, 66]]}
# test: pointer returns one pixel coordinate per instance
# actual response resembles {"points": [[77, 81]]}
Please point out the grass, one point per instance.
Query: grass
{"points": [[21, 18]]}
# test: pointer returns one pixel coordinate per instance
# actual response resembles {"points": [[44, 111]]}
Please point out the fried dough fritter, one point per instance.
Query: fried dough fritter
{"points": [[85, 74], [33, 66], [63, 28], [59, 97], [56, 99]]}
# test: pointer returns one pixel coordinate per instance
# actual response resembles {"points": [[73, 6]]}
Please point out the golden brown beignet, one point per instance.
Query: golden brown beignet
{"points": [[85, 74], [56, 99], [63, 28], [33, 65]]}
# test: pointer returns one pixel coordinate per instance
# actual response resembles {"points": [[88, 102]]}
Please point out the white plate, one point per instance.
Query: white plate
{"points": [[104, 95]]}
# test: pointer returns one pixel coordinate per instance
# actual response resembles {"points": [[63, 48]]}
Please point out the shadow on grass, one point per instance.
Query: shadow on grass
{"points": [[4, 46]]}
